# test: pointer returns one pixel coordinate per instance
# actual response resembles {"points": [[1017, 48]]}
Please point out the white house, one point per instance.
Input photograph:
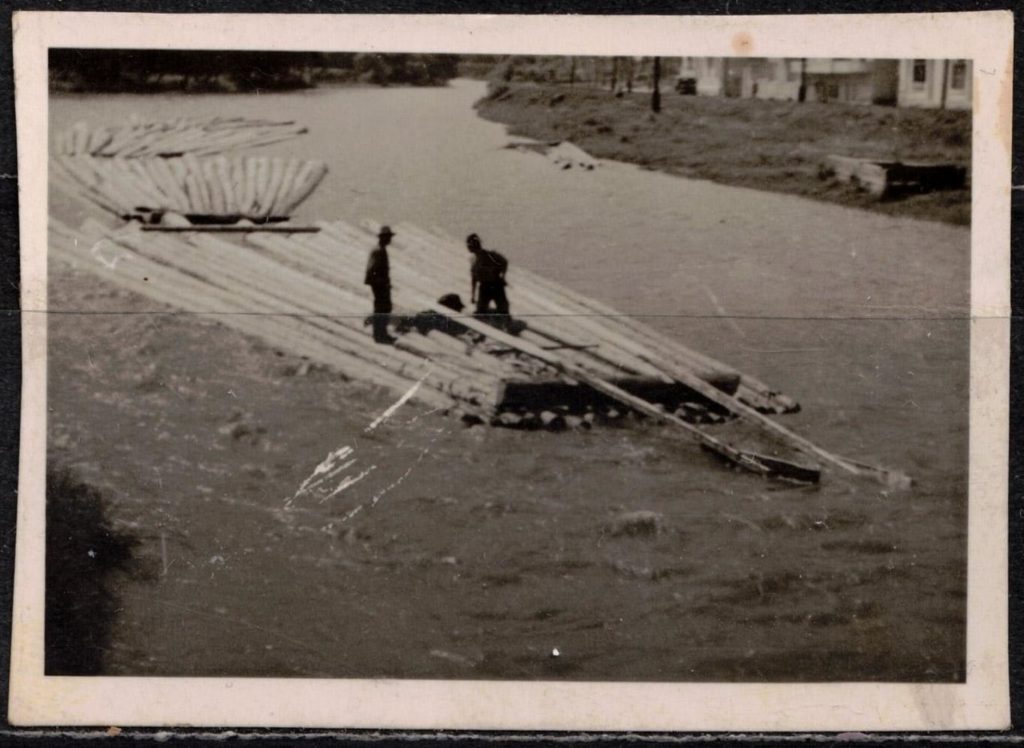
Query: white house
{"points": [[854, 81], [935, 84]]}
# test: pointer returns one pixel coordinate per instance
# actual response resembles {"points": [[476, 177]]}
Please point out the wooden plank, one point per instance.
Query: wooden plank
{"points": [[254, 228]]}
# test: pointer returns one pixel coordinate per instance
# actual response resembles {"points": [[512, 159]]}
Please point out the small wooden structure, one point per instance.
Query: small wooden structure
{"points": [[176, 137], [888, 178]]}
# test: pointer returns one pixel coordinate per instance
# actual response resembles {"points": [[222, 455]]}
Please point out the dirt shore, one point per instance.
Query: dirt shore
{"points": [[766, 145]]}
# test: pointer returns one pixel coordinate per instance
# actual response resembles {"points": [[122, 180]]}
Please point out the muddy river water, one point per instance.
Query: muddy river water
{"points": [[497, 548]]}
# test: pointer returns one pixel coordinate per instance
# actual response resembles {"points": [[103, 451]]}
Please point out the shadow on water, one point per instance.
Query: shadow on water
{"points": [[83, 553]]}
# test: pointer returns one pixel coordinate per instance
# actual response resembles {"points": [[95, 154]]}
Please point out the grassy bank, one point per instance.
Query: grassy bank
{"points": [[766, 145]]}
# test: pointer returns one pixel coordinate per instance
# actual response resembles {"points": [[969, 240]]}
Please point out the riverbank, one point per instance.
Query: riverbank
{"points": [[776, 146]]}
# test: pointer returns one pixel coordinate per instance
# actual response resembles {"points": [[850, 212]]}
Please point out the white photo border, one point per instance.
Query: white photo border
{"points": [[982, 702]]}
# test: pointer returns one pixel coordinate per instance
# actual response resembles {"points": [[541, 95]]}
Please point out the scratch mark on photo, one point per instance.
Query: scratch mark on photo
{"points": [[721, 310], [383, 417]]}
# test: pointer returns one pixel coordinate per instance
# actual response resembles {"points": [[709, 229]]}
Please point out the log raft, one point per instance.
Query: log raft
{"points": [[303, 293], [173, 138], [211, 191]]}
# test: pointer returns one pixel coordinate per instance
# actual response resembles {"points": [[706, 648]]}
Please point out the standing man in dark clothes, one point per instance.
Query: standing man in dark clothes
{"points": [[378, 278], [488, 272]]}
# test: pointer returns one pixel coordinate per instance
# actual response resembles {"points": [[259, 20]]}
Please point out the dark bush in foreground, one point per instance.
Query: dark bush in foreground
{"points": [[82, 552]]}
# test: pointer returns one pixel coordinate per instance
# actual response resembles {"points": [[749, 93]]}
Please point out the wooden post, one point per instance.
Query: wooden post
{"points": [[945, 84], [656, 82]]}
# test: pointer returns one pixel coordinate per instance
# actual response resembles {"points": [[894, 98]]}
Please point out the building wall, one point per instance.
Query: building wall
{"points": [[853, 81], [921, 84], [709, 72]]}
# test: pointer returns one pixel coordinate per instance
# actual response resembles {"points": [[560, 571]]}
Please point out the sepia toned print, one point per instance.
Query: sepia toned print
{"points": [[456, 366]]}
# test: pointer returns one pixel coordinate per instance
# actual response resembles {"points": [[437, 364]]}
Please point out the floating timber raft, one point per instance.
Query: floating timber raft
{"points": [[303, 293], [173, 138], [210, 190]]}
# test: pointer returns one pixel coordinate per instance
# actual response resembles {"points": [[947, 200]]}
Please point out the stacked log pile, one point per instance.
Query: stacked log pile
{"points": [[207, 190], [173, 138]]}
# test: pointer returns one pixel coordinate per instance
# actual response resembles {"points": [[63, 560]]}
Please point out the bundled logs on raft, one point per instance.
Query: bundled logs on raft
{"points": [[173, 138], [303, 293], [209, 190]]}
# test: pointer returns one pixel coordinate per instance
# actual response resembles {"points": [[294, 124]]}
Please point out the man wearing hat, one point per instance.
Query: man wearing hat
{"points": [[378, 278]]}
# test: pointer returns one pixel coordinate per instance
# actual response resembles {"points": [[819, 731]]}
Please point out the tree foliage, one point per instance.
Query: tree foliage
{"points": [[219, 70]]}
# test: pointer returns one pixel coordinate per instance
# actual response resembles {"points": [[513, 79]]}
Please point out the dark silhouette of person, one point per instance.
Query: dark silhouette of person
{"points": [[378, 278], [488, 273]]}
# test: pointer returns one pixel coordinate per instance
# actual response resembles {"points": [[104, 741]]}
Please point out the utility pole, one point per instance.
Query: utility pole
{"points": [[572, 71], [656, 93], [945, 84], [801, 95]]}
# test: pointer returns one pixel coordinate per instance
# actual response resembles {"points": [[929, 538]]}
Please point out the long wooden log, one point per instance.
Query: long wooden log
{"points": [[304, 188], [174, 190], [195, 169], [285, 188], [277, 167], [218, 202]]}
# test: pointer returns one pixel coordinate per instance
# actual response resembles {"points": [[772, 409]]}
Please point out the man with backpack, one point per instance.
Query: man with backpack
{"points": [[488, 273]]}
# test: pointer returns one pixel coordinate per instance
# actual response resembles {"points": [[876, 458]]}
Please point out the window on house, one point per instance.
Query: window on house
{"points": [[958, 77], [920, 72]]}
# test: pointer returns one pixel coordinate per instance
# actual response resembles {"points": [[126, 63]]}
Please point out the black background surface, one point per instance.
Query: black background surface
{"points": [[10, 361]]}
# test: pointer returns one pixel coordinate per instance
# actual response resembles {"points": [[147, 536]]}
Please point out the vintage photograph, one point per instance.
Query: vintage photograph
{"points": [[439, 366], [444, 364]]}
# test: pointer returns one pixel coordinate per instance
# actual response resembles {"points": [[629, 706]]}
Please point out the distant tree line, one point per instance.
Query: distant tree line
{"points": [[614, 73], [200, 70]]}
